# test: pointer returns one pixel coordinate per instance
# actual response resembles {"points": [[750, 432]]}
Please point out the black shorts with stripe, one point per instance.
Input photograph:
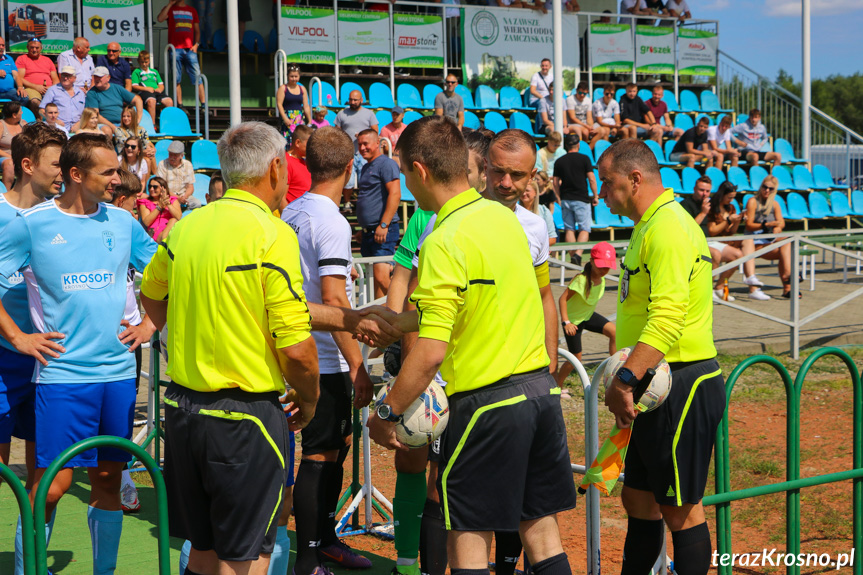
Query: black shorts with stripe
{"points": [[225, 469], [504, 457], [670, 448], [332, 421], [594, 323]]}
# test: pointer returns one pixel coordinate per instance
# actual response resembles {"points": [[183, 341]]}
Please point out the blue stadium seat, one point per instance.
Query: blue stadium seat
{"points": [[557, 216], [273, 41], [737, 176], [657, 151], [330, 117], [175, 124], [510, 99], [710, 103], [824, 179], [202, 186], [599, 148], [486, 99], [253, 42], [597, 93], [205, 156], [384, 117], [689, 102], [683, 122], [408, 97], [670, 101], [702, 115], [784, 147], [670, 179], [410, 116], [803, 178], [429, 93], [584, 148], [746, 199], [690, 176], [645, 94], [27, 115], [604, 218], [465, 94], [782, 207], [818, 206], [345, 92], [619, 93], [380, 96], [742, 118], [162, 150], [471, 120], [520, 121], [669, 146], [857, 202], [146, 122], [407, 196], [494, 121], [797, 208], [220, 40], [716, 178], [756, 176], [736, 205], [328, 91], [839, 206], [785, 181], [626, 222]]}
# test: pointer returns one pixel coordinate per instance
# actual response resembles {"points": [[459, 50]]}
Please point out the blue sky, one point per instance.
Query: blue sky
{"points": [[766, 34]]}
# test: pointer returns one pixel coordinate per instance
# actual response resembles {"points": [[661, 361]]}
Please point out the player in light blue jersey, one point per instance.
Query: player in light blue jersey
{"points": [[74, 252]]}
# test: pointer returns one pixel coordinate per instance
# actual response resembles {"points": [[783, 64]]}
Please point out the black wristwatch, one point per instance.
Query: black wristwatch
{"points": [[626, 377], [728, 220], [385, 412], [565, 323]]}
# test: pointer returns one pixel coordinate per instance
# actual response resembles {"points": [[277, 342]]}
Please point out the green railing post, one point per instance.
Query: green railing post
{"points": [[27, 533], [92, 443]]}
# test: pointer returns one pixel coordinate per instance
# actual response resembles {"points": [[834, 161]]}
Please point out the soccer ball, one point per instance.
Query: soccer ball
{"points": [[424, 420], [656, 392]]}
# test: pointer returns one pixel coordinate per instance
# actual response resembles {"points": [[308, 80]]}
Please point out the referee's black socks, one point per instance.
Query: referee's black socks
{"points": [[556, 565], [507, 549], [433, 558], [642, 546], [310, 490], [692, 550]]}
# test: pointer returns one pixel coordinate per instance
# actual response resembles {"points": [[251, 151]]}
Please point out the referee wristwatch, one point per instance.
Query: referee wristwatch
{"points": [[626, 377], [383, 225], [385, 412]]}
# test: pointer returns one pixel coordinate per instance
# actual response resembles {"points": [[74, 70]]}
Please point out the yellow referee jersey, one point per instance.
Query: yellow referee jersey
{"points": [[665, 297], [231, 274], [478, 292]]}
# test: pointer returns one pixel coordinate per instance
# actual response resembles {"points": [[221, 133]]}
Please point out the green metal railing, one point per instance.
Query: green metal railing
{"points": [[724, 495], [8, 476]]}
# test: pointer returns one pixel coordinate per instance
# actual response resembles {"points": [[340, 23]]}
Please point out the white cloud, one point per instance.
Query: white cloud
{"points": [[819, 7]]}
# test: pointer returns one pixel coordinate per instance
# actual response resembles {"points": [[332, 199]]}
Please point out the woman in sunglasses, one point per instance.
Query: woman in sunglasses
{"points": [[159, 210], [133, 159], [764, 216], [129, 128], [292, 103]]}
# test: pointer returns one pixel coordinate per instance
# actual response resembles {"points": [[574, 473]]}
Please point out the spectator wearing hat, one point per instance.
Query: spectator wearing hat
{"points": [[110, 98], [37, 72], [69, 98], [11, 87], [147, 84], [118, 68], [393, 130], [178, 172], [79, 58]]}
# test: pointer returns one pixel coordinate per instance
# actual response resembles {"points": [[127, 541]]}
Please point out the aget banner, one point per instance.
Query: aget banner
{"points": [[418, 40], [50, 21], [654, 50], [697, 51], [364, 38], [611, 48], [120, 21], [505, 46], [308, 35]]}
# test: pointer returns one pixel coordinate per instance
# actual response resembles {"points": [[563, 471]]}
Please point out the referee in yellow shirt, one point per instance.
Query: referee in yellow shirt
{"points": [[504, 457], [228, 282], [665, 310]]}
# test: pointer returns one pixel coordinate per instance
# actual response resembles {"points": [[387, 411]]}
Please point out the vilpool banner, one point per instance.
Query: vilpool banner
{"points": [[611, 48], [308, 35], [120, 21], [50, 21], [364, 38], [697, 51], [654, 50], [505, 46], [418, 40]]}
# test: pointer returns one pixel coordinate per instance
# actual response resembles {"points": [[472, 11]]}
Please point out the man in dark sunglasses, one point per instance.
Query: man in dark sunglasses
{"points": [[450, 104], [118, 68]]}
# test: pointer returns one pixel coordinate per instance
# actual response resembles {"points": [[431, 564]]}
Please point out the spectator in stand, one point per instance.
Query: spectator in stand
{"points": [[132, 158], [68, 98], [118, 68], [109, 98], [604, 19], [529, 199], [79, 58], [179, 175], [579, 115], [129, 128], [147, 84], [546, 113], [448, 103], [719, 137], [353, 120], [37, 73], [549, 154], [11, 87], [636, 8], [292, 103], [393, 130], [697, 204], [10, 126], [378, 196], [184, 33], [52, 118], [723, 220], [764, 216], [206, 10], [216, 189], [299, 178], [89, 123], [160, 210], [606, 112], [572, 173], [539, 87], [659, 109], [678, 9], [753, 134], [692, 146], [319, 118], [637, 117]]}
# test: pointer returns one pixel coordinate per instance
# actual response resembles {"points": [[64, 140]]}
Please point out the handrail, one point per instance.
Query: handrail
{"points": [[320, 89], [172, 69], [280, 63], [761, 78], [836, 123], [26, 512], [206, 108]]}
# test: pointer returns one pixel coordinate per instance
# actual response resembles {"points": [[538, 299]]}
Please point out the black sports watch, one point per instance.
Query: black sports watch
{"points": [[627, 377], [385, 412]]}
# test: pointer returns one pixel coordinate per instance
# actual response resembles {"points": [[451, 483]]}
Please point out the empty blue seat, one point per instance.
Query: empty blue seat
{"points": [[689, 101], [657, 151], [756, 176], [330, 117], [471, 120], [380, 96], [584, 148], [384, 117], [783, 209], [803, 178], [494, 121], [328, 95], [742, 118], [818, 206], [557, 216], [597, 93], [710, 103], [407, 196], [619, 93], [716, 178], [345, 92], [220, 40], [784, 147], [162, 150], [429, 93], [670, 179], [702, 115], [626, 222], [175, 124], [746, 199], [683, 122], [797, 208], [785, 181], [737, 176], [253, 42], [645, 94], [510, 99], [604, 218], [409, 97], [839, 206], [669, 146], [486, 98], [857, 202], [690, 176], [146, 122], [27, 115], [824, 179], [202, 186], [205, 156], [410, 116], [670, 101], [465, 94], [520, 121], [599, 148]]}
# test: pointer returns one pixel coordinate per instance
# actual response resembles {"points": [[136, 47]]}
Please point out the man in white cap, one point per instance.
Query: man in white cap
{"points": [[178, 172], [68, 97], [109, 98]]}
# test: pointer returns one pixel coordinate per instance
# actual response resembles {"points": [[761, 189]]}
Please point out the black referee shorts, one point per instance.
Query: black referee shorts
{"points": [[332, 421], [670, 448], [225, 469], [504, 457], [594, 323]]}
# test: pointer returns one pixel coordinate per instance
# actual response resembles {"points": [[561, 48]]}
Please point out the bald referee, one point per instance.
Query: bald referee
{"points": [[504, 458], [664, 310], [228, 282]]}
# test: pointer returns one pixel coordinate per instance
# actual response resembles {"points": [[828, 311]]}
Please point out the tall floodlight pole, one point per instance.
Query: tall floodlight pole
{"points": [[557, 25], [807, 80], [234, 62]]}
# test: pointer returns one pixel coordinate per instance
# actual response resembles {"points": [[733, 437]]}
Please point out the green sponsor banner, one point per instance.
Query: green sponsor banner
{"points": [[418, 41], [308, 35], [611, 49], [51, 21], [364, 38], [120, 21], [654, 50], [697, 50]]}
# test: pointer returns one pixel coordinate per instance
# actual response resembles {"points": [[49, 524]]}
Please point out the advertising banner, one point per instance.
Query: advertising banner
{"points": [[697, 51], [120, 21], [364, 38], [505, 46], [418, 40], [308, 35], [50, 21], [654, 50], [611, 48]]}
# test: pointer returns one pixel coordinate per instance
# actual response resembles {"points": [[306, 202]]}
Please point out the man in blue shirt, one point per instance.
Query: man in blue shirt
{"points": [[118, 68], [11, 87], [109, 98], [75, 252], [68, 98]]}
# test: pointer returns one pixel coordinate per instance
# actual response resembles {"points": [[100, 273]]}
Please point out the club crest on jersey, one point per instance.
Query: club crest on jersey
{"points": [[108, 240]]}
